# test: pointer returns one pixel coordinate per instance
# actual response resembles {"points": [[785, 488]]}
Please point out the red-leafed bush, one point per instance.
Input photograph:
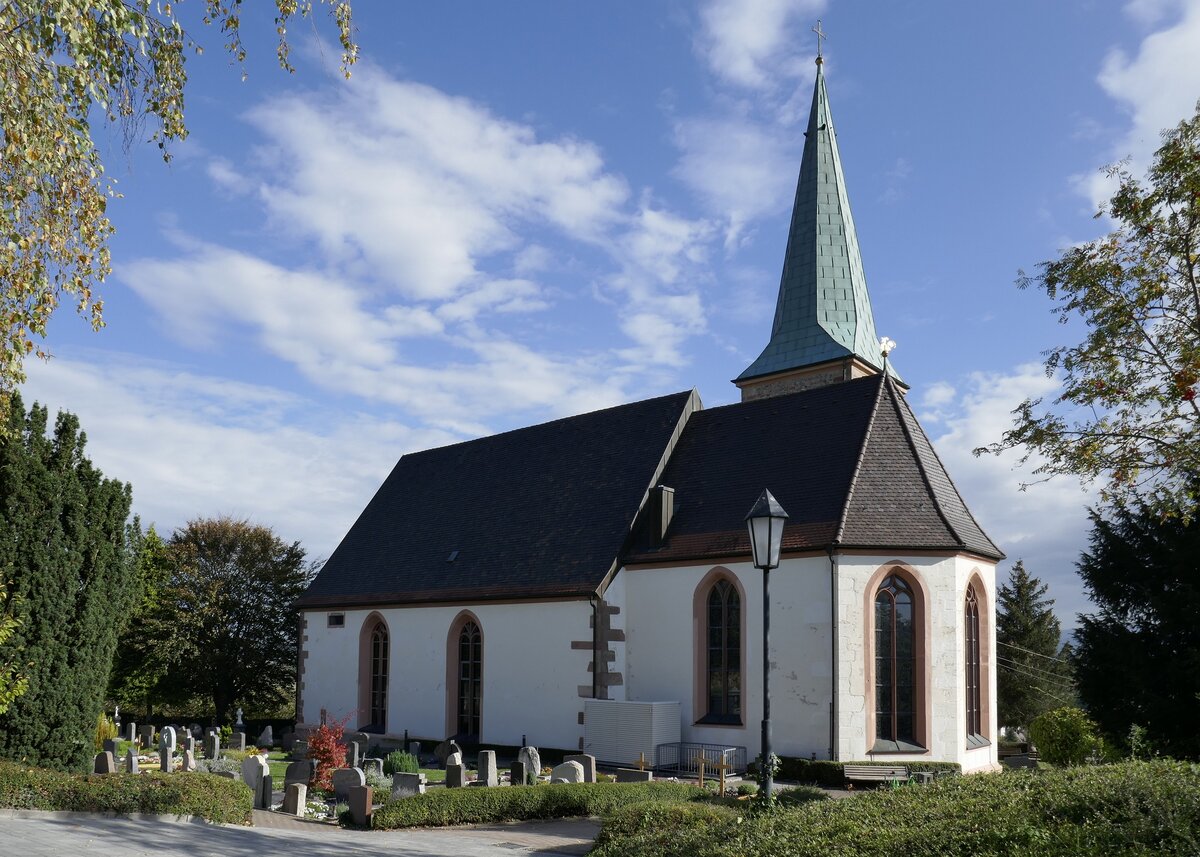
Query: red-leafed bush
{"points": [[326, 747]]}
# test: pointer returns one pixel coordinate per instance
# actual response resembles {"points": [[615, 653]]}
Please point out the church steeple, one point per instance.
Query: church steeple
{"points": [[824, 331]]}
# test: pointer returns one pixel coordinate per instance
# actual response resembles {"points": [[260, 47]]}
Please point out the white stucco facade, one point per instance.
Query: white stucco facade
{"points": [[537, 658], [531, 673]]}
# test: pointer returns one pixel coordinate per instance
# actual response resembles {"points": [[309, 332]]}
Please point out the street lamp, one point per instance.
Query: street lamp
{"points": [[765, 523]]}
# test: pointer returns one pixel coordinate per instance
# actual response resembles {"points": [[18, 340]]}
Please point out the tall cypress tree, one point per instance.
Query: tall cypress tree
{"points": [[64, 553], [1034, 674]]}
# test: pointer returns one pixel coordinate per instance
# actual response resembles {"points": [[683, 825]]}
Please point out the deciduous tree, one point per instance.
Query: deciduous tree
{"points": [[64, 63], [65, 550], [1129, 411], [1034, 675], [224, 623], [1137, 656]]}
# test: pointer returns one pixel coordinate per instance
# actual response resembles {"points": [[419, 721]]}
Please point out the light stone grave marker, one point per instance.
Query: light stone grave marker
{"points": [[407, 785], [373, 764], [166, 748], [131, 731], [266, 738], [254, 768], [589, 765], [294, 799], [455, 758], [486, 767], [567, 772], [532, 760], [189, 760], [344, 779], [131, 762], [104, 764]]}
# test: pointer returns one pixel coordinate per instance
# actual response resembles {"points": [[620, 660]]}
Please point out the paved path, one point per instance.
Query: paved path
{"points": [[78, 835]]}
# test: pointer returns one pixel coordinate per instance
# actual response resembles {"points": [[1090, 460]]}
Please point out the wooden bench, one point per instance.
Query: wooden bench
{"points": [[876, 773]]}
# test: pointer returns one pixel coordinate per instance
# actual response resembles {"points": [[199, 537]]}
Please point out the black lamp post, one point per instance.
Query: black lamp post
{"points": [[765, 523]]}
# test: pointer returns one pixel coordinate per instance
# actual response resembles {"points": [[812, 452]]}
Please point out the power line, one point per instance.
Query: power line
{"points": [[1039, 670], [1054, 658], [1044, 690], [1044, 682]]}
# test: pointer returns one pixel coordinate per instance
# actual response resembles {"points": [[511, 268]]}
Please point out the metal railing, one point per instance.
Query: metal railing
{"points": [[684, 757]]}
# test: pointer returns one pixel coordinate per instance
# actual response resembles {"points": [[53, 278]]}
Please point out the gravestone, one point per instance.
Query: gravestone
{"points": [[237, 741], [166, 748], [189, 760], [532, 760], [104, 763], [353, 755], [633, 775], [375, 765], [456, 776], [299, 750], [268, 790], [414, 749], [146, 736], [295, 796], [486, 767], [188, 745], [287, 741], [131, 732], [110, 746], [567, 772], [455, 758], [212, 746], [516, 774], [363, 739], [254, 768], [589, 765], [131, 761], [229, 775], [195, 730], [299, 772], [361, 801], [445, 749], [344, 779], [408, 785], [266, 738]]}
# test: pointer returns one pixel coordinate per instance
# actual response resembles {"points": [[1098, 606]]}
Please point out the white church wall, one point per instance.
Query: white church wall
{"points": [[943, 581], [969, 570], [615, 597], [531, 673], [665, 639]]}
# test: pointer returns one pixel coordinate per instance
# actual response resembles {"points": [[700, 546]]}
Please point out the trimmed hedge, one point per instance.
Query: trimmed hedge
{"points": [[829, 773], [518, 803], [214, 798], [1131, 808]]}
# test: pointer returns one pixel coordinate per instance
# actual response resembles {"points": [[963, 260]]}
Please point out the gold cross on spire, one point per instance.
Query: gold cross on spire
{"points": [[820, 35]]}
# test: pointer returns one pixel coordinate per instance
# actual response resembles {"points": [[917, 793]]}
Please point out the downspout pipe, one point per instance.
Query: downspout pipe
{"points": [[595, 602], [833, 655]]}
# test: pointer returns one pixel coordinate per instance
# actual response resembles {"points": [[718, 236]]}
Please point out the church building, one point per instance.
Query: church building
{"points": [[598, 567]]}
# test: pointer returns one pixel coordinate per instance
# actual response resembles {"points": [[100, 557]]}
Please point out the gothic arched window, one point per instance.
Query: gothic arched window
{"points": [[470, 680], [971, 661], [723, 642], [379, 676], [895, 662]]}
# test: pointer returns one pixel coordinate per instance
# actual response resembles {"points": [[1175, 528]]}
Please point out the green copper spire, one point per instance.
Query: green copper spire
{"points": [[823, 311]]}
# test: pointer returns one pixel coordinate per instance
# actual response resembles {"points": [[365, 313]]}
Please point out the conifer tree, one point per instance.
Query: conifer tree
{"points": [[1137, 657], [64, 554], [140, 662], [1034, 674]]}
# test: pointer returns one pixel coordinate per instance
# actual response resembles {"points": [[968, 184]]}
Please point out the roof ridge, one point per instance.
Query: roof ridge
{"points": [[921, 467], [950, 480], [862, 452]]}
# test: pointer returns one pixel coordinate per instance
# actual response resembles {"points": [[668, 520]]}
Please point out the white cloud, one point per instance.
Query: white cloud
{"points": [[741, 169], [1046, 524], [753, 43], [1157, 87], [194, 446]]}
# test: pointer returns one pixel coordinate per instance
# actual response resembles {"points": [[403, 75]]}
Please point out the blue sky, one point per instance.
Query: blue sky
{"points": [[514, 212]]}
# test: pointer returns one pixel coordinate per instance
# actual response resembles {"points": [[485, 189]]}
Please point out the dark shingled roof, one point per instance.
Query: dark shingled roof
{"points": [[848, 462], [549, 511], [537, 512]]}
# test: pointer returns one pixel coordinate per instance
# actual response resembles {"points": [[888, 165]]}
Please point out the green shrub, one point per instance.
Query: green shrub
{"points": [[214, 798], [564, 800], [797, 795], [106, 730], [1130, 808], [826, 773], [399, 762], [747, 788], [1065, 736]]}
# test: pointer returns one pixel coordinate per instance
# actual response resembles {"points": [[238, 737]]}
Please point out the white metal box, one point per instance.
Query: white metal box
{"points": [[616, 732]]}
